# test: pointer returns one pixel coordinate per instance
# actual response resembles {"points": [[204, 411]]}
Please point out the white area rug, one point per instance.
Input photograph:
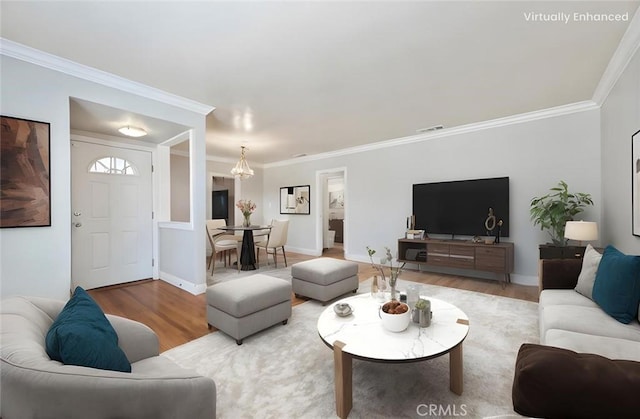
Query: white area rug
{"points": [[287, 371]]}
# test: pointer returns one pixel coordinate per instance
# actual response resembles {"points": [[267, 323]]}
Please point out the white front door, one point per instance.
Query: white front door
{"points": [[111, 204]]}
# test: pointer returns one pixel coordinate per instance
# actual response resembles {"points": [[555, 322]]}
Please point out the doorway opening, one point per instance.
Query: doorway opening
{"points": [[333, 220]]}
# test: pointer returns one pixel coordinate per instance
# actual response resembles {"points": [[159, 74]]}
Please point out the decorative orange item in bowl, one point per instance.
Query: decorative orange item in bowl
{"points": [[395, 316]]}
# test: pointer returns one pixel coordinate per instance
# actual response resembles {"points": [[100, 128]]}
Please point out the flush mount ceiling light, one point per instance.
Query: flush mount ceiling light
{"points": [[242, 169], [130, 131]]}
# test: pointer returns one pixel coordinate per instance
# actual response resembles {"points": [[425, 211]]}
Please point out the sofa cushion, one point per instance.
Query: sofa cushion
{"points": [[558, 383], [82, 335], [617, 285], [590, 320], [587, 276], [564, 298], [612, 348]]}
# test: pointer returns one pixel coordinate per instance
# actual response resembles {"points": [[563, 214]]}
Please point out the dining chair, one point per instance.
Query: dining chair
{"points": [[275, 240], [221, 243]]}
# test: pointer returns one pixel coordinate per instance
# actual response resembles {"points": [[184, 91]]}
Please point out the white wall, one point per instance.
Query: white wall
{"points": [[620, 119], [37, 261], [180, 193], [534, 154]]}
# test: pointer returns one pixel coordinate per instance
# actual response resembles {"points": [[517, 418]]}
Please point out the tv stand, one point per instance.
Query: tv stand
{"points": [[461, 254]]}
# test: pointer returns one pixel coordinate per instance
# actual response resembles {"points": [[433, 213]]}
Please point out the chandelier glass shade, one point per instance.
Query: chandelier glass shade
{"points": [[242, 169]]}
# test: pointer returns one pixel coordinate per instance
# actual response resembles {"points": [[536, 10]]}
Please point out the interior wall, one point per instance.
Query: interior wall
{"points": [[37, 261], [620, 119], [534, 154], [180, 194]]}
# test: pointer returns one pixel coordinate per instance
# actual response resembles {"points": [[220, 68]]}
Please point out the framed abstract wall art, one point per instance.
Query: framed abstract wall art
{"points": [[25, 185], [295, 200]]}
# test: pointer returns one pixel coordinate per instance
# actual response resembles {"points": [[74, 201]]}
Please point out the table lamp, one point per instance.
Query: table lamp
{"points": [[581, 231]]}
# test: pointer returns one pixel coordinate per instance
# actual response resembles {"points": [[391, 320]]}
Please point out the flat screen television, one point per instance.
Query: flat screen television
{"points": [[220, 204], [461, 207]]}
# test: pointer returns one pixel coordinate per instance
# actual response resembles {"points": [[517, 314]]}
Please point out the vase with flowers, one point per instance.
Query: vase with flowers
{"points": [[246, 207], [394, 271]]}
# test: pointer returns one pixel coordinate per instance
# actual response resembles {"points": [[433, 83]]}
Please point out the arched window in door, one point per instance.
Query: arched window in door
{"points": [[113, 166]]}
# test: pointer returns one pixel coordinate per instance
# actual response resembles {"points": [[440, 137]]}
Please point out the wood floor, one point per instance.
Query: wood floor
{"points": [[179, 317]]}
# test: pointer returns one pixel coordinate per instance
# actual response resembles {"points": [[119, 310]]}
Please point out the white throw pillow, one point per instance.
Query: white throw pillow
{"points": [[587, 276]]}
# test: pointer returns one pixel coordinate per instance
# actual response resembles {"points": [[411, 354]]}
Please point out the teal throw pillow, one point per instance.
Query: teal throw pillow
{"points": [[617, 286], [82, 335]]}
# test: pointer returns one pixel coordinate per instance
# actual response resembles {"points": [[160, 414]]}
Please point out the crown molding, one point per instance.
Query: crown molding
{"points": [[31, 55], [447, 132], [628, 46]]}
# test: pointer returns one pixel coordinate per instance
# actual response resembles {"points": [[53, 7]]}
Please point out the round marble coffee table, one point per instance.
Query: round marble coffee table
{"points": [[361, 335]]}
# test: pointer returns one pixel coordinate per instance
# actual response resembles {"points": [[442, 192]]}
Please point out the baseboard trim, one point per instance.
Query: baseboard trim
{"points": [[190, 287], [303, 251]]}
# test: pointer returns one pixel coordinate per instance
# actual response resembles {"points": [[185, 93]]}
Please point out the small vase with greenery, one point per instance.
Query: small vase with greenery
{"points": [[394, 271], [552, 211]]}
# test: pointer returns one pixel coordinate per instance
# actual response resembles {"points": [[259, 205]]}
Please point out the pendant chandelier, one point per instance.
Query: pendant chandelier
{"points": [[242, 169]]}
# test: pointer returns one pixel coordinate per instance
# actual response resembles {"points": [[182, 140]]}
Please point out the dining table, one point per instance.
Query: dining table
{"points": [[247, 259]]}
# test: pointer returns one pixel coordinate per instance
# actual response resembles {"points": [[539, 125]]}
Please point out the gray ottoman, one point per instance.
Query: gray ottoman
{"points": [[324, 279], [244, 306]]}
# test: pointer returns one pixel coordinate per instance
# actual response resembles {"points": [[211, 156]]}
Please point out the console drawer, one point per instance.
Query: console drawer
{"points": [[438, 254], [442, 249], [461, 256], [492, 259], [437, 259]]}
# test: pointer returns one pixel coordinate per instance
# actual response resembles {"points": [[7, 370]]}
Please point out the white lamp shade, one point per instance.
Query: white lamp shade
{"points": [[581, 230]]}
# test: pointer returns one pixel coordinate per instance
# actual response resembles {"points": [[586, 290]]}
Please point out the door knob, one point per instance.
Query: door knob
{"points": [[77, 213], [77, 225]]}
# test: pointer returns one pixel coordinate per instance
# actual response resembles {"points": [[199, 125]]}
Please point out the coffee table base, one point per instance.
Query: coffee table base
{"points": [[343, 368]]}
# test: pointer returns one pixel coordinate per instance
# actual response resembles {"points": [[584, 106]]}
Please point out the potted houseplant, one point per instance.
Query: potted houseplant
{"points": [[552, 211], [422, 313]]}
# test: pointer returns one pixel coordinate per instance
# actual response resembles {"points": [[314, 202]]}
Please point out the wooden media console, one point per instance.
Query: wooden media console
{"points": [[462, 254]]}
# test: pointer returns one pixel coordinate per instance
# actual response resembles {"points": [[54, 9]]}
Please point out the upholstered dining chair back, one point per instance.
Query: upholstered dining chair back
{"points": [[277, 240], [279, 232], [220, 242], [212, 228]]}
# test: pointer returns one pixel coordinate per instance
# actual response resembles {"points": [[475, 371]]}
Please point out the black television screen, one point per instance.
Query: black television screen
{"points": [[220, 204], [461, 207]]}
